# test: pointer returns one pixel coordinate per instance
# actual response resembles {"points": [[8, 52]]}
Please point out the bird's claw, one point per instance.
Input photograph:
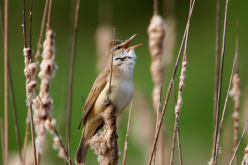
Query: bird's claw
{"points": [[107, 101]]}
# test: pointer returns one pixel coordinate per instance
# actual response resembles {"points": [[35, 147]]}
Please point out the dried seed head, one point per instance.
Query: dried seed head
{"points": [[181, 84], [103, 35], [56, 142], [47, 103], [156, 32], [48, 46], [170, 40], [59, 146], [32, 86], [157, 69], [30, 90], [50, 125], [211, 161], [235, 91], [48, 68], [28, 54], [31, 70], [245, 159], [42, 109], [44, 87], [62, 154], [105, 143], [39, 141]]}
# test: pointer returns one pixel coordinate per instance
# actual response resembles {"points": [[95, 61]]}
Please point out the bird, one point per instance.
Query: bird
{"points": [[122, 60]]}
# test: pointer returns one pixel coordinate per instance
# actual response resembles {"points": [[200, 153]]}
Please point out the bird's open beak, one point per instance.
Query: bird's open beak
{"points": [[128, 42]]}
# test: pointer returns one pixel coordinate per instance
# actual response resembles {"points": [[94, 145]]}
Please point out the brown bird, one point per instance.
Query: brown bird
{"points": [[122, 90]]}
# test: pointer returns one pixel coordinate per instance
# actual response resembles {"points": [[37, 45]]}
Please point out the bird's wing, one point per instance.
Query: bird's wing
{"points": [[95, 91]]}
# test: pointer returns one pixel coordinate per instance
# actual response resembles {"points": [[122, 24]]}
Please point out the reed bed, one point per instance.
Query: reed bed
{"points": [[145, 129]]}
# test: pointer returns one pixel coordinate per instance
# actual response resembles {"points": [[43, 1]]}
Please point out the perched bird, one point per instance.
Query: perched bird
{"points": [[121, 94]]}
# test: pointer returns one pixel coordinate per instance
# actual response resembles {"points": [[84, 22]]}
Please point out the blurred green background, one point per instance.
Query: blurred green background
{"points": [[132, 17]]}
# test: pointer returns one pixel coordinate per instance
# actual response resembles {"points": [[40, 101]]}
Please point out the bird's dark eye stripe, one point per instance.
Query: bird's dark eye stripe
{"points": [[122, 59], [117, 47]]}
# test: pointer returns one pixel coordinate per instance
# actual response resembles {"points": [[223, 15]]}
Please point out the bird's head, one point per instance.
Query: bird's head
{"points": [[120, 50]]}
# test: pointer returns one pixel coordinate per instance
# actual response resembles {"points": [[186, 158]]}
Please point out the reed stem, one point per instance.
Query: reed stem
{"points": [[72, 69], [127, 134], [170, 85], [217, 62], [26, 139], [68, 146], [6, 108], [220, 85], [224, 109], [39, 44], [238, 143], [12, 94]]}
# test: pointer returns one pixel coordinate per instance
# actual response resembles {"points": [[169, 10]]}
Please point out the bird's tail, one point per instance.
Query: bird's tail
{"points": [[82, 149]]}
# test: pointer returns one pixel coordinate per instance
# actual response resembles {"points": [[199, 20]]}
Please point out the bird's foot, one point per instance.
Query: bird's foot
{"points": [[107, 101]]}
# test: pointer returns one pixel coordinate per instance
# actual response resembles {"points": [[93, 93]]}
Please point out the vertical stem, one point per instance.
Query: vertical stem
{"points": [[237, 45], [179, 146], [158, 110], [72, 68], [15, 114], [24, 23], [239, 143], [174, 140], [26, 139], [30, 24], [30, 101], [6, 115], [217, 63], [111, 63], [49, 15], [220, 84], [224, 109], [236, 108], [12, 94], [178, 132], [127, 134], [169, 89], [155, 7], [162, 151], [30, 116], [32, 130], [28, 121], [176, 126], [38, 158], [39, 44]]}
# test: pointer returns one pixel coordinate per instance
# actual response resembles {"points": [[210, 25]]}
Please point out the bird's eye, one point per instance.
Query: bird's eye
{"points": [[118, 47]]}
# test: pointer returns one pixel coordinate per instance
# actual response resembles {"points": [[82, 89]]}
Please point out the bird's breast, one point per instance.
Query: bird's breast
{"points": [[122, 93], [122, 90]]}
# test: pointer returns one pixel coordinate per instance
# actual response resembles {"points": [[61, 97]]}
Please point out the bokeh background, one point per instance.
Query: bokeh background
{"points": [[132, 17]]}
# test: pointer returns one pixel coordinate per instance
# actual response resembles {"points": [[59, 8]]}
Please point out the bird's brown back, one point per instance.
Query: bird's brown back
{"points": [[95, 91]]}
